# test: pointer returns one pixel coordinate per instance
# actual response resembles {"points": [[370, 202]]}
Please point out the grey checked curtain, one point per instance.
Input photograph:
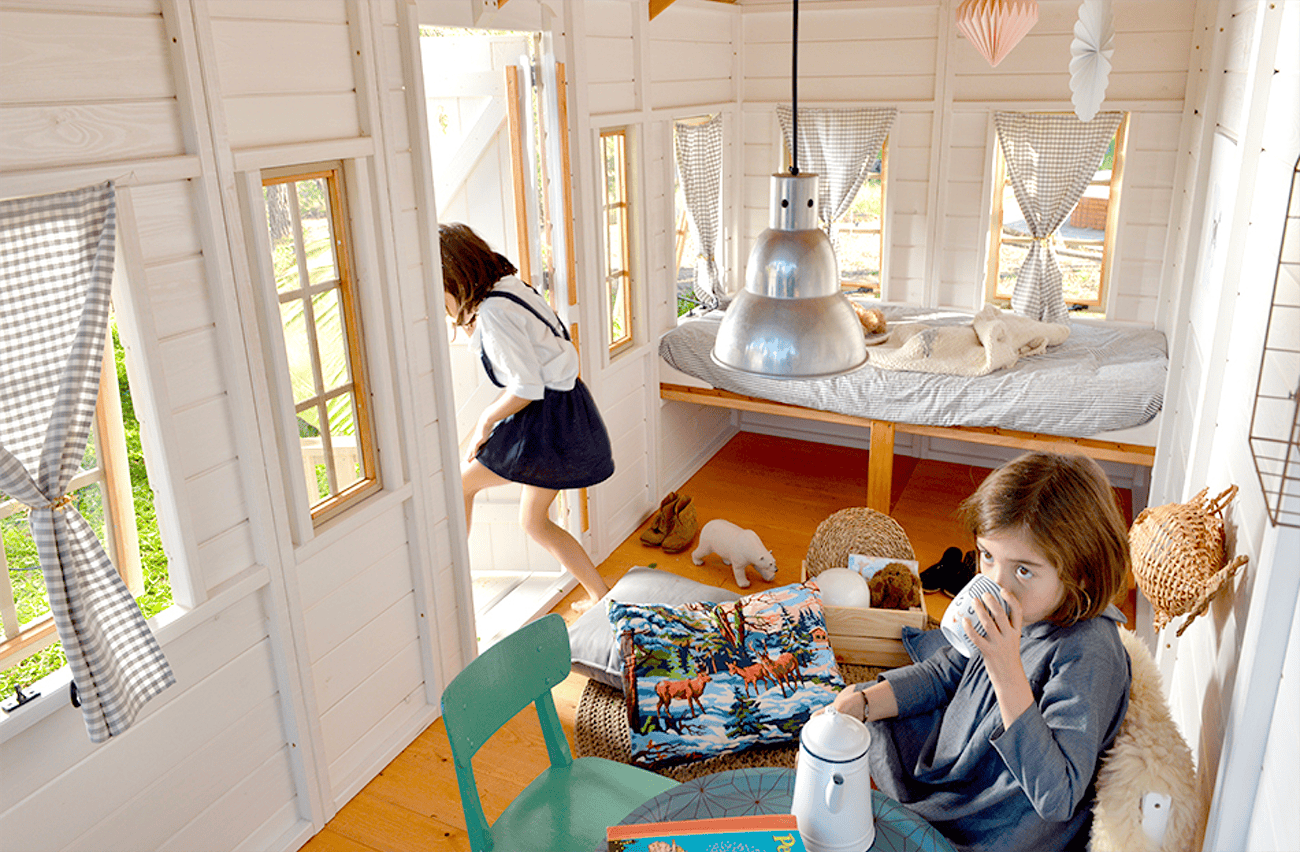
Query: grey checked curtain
{"points": [[698, 150], [56, 271], [839, 145], [1050, 161]]}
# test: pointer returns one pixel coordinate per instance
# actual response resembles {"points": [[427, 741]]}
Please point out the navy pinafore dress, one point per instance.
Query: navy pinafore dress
{"points": [[558, 441]]}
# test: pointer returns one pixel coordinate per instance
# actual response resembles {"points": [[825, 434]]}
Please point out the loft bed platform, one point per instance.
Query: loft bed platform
{"points": [[1098, 394]]}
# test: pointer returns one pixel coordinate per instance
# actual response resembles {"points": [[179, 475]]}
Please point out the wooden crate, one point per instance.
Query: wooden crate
{"points": [[870, 637]]}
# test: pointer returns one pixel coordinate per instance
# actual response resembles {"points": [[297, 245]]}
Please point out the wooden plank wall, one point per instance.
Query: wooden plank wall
{"points": [[305, 659]]}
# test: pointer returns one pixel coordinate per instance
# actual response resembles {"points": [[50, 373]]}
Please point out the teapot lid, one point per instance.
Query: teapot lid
{"points": [[834, 737]]}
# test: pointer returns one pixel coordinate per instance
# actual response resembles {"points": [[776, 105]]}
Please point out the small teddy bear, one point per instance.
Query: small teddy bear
{"points": [[737, 547], [872, 319], [895, 587]]}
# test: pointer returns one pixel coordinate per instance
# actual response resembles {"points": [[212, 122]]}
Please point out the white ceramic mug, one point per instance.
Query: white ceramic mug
{"points": [[963, 606]]}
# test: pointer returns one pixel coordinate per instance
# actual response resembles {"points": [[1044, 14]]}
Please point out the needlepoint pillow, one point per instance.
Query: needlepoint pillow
{"points": [[706, 679], [592, 646]]}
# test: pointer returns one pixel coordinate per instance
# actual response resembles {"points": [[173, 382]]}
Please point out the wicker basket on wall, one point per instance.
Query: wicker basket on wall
{"points": [[1178, 556]]}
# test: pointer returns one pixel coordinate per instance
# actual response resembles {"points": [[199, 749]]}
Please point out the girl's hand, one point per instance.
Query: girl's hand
{"points": [[851, 701], [1001, 653], [1001, 646], [481, 433]]}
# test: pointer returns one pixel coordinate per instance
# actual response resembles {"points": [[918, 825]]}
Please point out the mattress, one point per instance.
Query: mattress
{"points": [[1104, 377]]}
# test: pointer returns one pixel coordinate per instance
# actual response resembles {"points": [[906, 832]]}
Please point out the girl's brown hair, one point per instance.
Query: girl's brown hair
{"points": [[1067, 507], [469, 269]]}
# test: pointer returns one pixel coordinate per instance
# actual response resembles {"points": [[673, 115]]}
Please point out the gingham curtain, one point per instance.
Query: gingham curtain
{"points": [[839, 145], [1050, 161], [698, 148], [56, 271]]}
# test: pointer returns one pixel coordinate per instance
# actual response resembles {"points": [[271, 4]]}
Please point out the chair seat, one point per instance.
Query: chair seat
{"points": [[567, 809]]}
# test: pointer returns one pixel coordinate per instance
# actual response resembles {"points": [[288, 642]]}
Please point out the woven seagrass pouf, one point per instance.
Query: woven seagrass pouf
{"points": [[855, 530]]}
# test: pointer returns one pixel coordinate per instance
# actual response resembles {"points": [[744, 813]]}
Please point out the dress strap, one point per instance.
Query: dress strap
{"points": [[563, 332]]}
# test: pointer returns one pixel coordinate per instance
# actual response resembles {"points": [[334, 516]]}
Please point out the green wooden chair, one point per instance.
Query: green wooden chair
{"points": [[568, 807]]}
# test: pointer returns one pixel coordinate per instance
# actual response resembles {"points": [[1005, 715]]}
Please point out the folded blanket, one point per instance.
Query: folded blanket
{"points": [[993, 341]]}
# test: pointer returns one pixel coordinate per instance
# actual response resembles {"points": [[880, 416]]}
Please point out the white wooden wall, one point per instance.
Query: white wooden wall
{"points": [[1227, 676], [305, 659]]}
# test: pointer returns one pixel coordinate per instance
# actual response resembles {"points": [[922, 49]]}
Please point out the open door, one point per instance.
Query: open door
{"points": [[492, 131]]}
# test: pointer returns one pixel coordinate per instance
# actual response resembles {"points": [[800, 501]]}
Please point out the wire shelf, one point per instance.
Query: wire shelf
{"points": [[1275, 419]]}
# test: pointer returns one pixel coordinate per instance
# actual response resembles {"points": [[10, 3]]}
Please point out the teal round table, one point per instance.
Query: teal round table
{"points": [[769, 790]]}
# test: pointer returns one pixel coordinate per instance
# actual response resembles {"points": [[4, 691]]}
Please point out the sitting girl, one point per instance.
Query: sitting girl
{"points": [[999, 751]]}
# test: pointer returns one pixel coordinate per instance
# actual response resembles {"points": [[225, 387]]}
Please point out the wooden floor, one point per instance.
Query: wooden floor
{"points": [[779, 487]]}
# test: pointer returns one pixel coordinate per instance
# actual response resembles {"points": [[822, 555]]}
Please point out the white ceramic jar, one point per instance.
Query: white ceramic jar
{"points": [[832, 785]]}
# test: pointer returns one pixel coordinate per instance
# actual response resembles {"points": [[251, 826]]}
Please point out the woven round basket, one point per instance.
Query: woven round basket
{"points": [[1178, 556], [600, 730], [855, 530]]}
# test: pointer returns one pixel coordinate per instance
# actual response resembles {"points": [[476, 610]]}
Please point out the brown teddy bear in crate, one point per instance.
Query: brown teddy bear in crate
{"points": [[895, 587]]}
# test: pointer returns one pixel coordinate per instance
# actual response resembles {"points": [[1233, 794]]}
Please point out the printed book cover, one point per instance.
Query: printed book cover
{"points": [[761, 833]]}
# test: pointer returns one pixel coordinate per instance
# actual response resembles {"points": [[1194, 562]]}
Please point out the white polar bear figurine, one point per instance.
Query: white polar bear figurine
{"points": [[737, 547]]}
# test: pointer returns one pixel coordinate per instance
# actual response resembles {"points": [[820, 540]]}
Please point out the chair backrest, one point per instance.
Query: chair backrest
{"points": [[519, 670], [504, 679]]}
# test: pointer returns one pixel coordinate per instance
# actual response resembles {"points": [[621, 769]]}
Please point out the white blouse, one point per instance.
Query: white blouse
{"points": [[527, 357]]}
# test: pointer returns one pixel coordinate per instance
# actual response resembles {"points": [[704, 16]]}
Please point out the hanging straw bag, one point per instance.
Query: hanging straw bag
{"points": [[1178, 556]]}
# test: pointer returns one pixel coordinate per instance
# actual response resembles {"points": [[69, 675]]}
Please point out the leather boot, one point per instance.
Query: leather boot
{"points": [[684, 528], [653, 535]]}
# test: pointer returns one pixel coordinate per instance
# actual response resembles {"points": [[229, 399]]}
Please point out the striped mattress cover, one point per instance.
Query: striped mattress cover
{"points": [[1104, 377]]}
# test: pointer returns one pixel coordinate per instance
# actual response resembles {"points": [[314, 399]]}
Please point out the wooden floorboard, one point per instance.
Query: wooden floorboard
{"points": [[780, 488]]}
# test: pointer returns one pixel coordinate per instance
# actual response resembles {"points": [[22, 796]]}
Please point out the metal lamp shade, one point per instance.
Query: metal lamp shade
{"points": [[791, 321]]}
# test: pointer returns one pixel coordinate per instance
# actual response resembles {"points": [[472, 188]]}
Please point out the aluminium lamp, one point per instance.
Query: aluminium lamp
{"points": [[791, 321]]}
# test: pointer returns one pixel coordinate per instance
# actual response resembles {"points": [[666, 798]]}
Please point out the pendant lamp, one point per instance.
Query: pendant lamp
{"points": [[996, 26], [791, 321]]}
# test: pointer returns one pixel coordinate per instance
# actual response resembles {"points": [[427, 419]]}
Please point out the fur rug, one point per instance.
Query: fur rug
{"points": [[994, 340], [1149, 755]]}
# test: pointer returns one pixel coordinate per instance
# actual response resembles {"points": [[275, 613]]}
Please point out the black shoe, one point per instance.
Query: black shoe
{"points": [[934, 578], [961, 574]]}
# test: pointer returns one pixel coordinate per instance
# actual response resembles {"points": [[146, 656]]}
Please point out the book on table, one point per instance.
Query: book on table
{"points": [[759, 833]]}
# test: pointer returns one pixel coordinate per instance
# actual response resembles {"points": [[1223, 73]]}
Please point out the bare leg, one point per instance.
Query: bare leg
{"points": [[474, 477], [557, 541]]}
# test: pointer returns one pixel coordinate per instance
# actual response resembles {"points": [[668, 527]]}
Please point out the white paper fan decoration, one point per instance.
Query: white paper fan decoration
{"points": [[996, 26], [1094, 42]]}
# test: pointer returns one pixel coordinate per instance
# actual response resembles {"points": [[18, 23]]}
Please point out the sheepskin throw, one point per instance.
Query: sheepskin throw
{"points": [[993, 341], [1148, 756]]}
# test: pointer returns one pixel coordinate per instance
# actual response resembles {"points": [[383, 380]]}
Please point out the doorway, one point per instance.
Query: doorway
{"points": [[491, 103]]}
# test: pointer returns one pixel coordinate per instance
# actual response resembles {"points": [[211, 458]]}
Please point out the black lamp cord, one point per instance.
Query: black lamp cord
{"points": [[794, 92]]}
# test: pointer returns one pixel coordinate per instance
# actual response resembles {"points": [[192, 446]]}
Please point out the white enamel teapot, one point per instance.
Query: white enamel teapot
{"points": [[832, 785]]}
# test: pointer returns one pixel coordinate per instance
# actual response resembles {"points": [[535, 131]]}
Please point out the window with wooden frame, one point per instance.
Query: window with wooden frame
{"points": [[316, 291], [616, 207], [106, 496], [1083, 244], [859, 233]]}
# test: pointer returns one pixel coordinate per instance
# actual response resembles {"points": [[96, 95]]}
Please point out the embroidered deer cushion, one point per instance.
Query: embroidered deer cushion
{"points": [[704, 679]]}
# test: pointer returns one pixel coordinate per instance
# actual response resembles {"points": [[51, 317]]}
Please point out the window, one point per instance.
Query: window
{"points": [[315, 289], [616, 208], [1083, 244], [113, 494], [859, 234]]}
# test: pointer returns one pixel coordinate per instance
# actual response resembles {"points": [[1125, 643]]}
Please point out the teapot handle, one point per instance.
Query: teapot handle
{"points": [[834, 792]]}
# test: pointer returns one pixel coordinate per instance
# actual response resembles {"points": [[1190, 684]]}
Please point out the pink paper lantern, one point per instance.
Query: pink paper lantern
{"points": [[996, 26]]}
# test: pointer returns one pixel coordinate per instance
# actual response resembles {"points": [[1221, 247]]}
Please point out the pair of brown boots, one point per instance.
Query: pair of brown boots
{"points": [[674, 525]]}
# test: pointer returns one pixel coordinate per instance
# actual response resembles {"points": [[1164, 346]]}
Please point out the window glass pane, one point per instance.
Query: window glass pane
{"points": [[88, 459], [618, 312], [614, 260], [343, 431], [298, 349], [313, 455], [858, 236], [280, 226], [317, 230], [331, 339]]}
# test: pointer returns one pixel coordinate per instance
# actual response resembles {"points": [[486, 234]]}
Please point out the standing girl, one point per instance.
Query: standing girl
{"points": [[999, 751], [543, 430]]}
